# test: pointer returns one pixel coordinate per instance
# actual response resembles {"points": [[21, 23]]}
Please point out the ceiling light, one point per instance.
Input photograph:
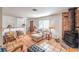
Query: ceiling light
{"points": [[34, 9]]}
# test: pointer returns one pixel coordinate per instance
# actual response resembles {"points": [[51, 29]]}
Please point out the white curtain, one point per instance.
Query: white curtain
{"points": [[43, 24]]}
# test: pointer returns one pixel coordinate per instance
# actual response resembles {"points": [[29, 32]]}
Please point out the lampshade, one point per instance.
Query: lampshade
{"points": [[51, 27], [23, 25], [9, 26]]}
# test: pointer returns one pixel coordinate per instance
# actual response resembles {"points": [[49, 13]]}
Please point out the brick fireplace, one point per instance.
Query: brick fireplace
{"points": [[71, 36]]}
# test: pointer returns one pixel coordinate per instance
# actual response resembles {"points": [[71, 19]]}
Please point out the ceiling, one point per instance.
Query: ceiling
{"points": [[28, 12]]}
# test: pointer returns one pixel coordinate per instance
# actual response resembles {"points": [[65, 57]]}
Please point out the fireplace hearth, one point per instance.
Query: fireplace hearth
{"points": [[71, 37]]}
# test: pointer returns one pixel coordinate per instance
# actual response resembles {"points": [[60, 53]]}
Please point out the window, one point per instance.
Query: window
{"points": [[44, 24]]}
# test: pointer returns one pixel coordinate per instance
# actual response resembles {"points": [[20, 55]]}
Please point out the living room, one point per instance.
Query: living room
{"points": [[35, 29]]}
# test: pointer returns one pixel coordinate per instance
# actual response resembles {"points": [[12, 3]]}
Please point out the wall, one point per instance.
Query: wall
{"points": [[21, 21], [1, 41], [14, 21], [9, 20], [35, 21], [55, 20]]}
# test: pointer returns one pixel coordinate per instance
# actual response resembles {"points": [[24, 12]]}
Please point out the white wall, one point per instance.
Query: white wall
{"points": [[35, 21], [1, 41], [55, 20], [8, 20], [21, 21], [16, 22]]}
